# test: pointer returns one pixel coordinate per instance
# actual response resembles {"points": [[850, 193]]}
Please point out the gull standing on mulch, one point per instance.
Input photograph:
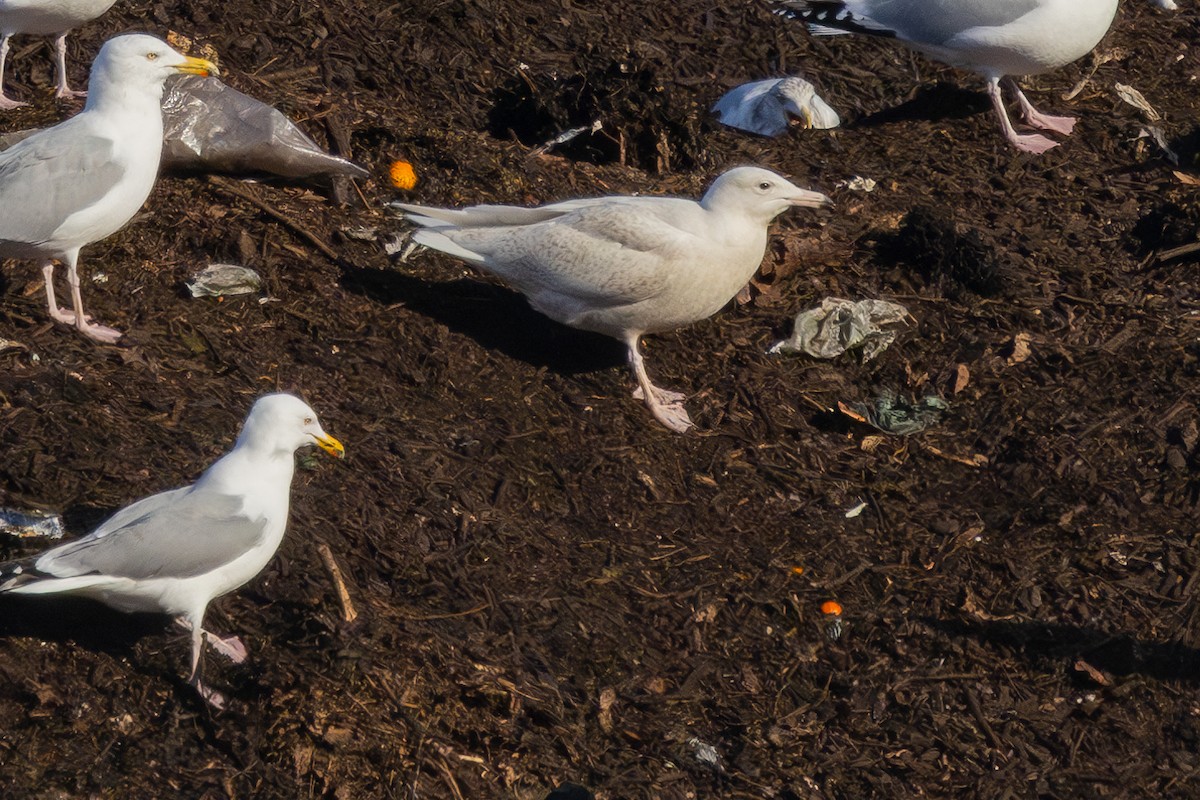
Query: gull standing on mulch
{"points": [[173, 552], [995, 38], [45, 18], [83, 179], [624, 266]]}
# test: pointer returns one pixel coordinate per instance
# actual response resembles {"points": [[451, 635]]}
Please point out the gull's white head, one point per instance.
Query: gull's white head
{"points": [[758, 192], [137, 63], [285, 423]]}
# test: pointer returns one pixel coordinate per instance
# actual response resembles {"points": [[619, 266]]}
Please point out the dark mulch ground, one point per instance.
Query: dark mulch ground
{"points": [[552, 588]]}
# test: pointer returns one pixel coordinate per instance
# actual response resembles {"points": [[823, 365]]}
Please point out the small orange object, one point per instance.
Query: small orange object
{"points": [[402, 174], [831, 608], [798, 570]]}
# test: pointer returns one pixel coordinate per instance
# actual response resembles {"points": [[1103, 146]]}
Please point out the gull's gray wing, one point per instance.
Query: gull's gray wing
{"points": [[133, 511], [936, 21], [50, 176], [187, 534], [931, 22], [600, 254]]}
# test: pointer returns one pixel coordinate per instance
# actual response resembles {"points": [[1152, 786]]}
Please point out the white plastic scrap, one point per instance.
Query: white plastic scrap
{"points": [[705, 753], [1169, 5], [859, 184], [361, 233], [1156, 135], [1136, 99], [767, 107], [218, 280], [839, 325], [401, 243], [567, 136], [30, 523]]}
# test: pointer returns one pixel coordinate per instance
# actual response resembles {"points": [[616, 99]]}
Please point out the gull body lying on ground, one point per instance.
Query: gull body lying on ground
{"points": [[82, 180], [998, 39], [45, 18], [624, 266], [174, 552]]}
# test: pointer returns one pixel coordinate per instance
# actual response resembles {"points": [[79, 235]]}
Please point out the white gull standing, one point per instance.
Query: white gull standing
{"points": [[996, 38], [45, 18], [624, 266], [173, 552], [83, 179]]}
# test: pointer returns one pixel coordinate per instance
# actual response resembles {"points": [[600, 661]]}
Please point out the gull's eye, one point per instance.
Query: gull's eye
{"points": [[762, 187], [308, 420], [151, 56]]}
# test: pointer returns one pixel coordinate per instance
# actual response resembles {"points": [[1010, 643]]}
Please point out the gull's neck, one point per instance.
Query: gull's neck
{"points": [[734, 219], [248, 466], [108, 97]]}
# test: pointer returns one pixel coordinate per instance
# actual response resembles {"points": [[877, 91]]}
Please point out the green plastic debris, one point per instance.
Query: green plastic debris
{"points": [[893, 414]]}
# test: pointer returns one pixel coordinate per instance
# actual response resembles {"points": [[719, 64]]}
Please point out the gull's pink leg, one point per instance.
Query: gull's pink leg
{"points": [[1037, 119], [60, 48], [229, 646], [6, 103], [57, 314], [666, 406], [100, 333], [210, 696], [1030, 142]]}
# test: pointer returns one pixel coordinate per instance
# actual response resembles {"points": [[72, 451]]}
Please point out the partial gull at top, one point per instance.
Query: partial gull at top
{"points": [[998, 39], [624, 266], [45, 18]]}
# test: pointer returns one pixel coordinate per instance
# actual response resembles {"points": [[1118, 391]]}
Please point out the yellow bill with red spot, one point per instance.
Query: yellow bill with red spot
{"points": [[330, 445], [198, 66]]}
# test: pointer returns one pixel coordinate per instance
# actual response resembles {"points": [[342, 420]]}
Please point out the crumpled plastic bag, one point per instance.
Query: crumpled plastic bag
{"points": [[893, 414], [31, 523], [839, 325], [213, 127], [767, 107], [223, 280]]}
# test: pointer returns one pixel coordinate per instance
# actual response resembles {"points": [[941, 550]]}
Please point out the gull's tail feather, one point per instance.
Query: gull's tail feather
{"points": [[436, 239], [19, 574], [486, 216], [830, 18]]}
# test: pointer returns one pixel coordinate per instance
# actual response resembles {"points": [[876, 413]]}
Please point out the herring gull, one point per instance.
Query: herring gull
{"points": [[996, 38], [45, 18], [83, 179], [624, 266], [174, 552]]}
